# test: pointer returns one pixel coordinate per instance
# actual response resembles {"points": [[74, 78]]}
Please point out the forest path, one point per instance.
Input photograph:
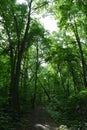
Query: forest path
{"points": [[39, 120]]}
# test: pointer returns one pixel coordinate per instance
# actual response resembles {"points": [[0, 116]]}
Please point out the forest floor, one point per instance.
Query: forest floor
{"points": [[38, 119]]}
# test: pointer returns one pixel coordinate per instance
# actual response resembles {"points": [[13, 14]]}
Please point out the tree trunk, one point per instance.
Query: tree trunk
{"points": [[15, 71], [36, 77], [74, 79], [45, 91], [61, 80], [81, 54], [15, 102]]}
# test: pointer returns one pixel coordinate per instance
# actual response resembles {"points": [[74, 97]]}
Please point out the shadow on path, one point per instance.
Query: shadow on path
{"points": [[39, 120]]}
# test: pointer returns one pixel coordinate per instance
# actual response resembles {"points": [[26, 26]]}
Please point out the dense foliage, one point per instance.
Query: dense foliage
{"points": [[37, 67]]}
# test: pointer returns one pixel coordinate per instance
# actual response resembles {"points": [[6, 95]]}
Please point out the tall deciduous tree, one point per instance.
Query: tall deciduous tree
{"points": [[71, 17], [15, 20]]}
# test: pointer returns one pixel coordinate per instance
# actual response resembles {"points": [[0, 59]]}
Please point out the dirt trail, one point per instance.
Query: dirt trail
{"points": [[39, 120]]}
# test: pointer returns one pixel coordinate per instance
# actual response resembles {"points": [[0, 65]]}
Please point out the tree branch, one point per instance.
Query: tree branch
{"points": [[41, 5], [17, 29], [27, 28]]}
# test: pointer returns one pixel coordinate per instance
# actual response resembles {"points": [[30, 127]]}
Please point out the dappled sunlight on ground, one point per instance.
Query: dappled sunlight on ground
{"points": [[45, 127]]}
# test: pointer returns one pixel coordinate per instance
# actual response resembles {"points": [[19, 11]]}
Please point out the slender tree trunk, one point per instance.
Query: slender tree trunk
{"points": [[45, 91], [36, 77], [81, 54], [68, 85], [61, 80], [74, 80], [15, 86]]}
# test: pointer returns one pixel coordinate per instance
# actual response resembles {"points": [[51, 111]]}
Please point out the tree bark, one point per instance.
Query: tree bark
{"points": [[15, 71], [81, 54]]}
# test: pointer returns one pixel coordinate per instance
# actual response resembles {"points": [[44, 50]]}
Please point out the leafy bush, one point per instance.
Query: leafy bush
{"points": [[56, 110], [77, 106], [8, 118], [70, 112], [5, 121]]}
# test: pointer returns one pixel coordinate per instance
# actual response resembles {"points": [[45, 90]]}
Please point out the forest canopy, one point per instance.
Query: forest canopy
{"points": [[38, 67]]}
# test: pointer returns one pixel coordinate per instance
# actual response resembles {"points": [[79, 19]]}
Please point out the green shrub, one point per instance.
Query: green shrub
{"points": [[5, 121], [76, 109], [77, 104], [70, 112]]}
